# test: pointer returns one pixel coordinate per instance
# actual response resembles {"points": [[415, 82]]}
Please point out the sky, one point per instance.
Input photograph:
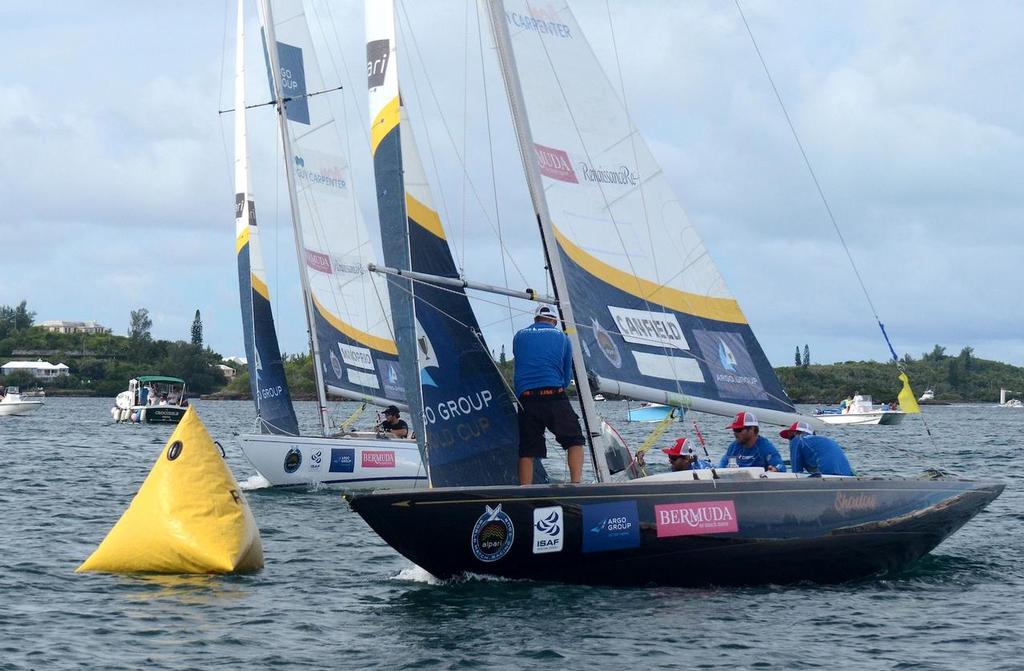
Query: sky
{"points": [[117, 191]]}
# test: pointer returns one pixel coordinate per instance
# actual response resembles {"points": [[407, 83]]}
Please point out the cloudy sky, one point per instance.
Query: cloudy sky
{"points": [[117, 193]]}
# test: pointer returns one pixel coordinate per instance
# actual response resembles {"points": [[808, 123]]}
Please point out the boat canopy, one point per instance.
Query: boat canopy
{"points": [[159, 378]]}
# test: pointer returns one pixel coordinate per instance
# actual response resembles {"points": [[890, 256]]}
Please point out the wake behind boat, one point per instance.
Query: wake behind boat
{"points": [[13, 402]]}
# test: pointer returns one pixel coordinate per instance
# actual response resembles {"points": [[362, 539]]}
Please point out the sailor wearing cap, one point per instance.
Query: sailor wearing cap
{"points": [[543, 371], [393, 423], [750, 448], [682, 458], [814, 454]]}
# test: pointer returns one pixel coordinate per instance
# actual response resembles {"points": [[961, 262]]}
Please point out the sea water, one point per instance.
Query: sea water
{"points": [[333, 595]]}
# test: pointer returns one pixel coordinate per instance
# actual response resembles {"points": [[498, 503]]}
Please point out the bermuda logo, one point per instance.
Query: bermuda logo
{"points": [[547, 530], [378, 459], [492, 535], [554, 163], [699, 517]]}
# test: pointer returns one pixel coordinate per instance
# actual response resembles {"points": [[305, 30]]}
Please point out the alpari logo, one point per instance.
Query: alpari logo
{"points": [[726, 357], [378, 53], [492, 535], [621, 175], [554, 163]]}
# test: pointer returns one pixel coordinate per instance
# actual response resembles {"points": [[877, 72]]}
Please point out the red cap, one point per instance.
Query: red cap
{"points": [[743, 419], [676, 449], [795, 428]]}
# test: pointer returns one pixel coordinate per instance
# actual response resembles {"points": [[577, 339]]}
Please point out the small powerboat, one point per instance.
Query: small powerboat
{"points": [[13, 403]]}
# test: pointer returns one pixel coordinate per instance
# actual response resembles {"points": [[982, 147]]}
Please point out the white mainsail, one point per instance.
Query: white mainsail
{"points": [[654, 316], [348, 308]]}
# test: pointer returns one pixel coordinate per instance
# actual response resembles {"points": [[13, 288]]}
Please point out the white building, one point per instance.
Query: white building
{"points": [[60, 326], [43, 370], [228, 371]]}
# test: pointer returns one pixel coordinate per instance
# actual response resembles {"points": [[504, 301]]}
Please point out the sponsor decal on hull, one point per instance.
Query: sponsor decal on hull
{"points": [[343, 459], [292, 460], [696, 518], [610, 526], [378, 459], [548, 527], [492, 535]]}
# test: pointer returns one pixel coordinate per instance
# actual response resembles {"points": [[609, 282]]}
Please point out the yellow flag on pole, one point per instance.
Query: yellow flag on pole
{"points": [[908, 402]]}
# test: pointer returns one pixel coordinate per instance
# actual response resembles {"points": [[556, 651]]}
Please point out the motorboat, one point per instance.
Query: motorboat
{"points": [[151, 399], [649, 412], [14, 402], [928, 395], [860, 410], [1005, 402]]}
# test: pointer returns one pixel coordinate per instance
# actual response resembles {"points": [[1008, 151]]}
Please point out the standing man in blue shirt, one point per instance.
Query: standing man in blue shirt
{"points": [[750, 448], [543, 365], [814, 454]]}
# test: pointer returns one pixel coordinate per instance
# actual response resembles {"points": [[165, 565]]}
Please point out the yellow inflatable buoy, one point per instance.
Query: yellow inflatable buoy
{"points": [[188, 517]]}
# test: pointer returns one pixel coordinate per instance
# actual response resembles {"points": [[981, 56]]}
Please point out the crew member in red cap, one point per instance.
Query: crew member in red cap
{"points": [[813, 454], [682, 458], [750, 448]]}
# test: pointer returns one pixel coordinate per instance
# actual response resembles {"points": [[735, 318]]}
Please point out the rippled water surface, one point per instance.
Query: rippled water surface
{"points": [[333, 595]]}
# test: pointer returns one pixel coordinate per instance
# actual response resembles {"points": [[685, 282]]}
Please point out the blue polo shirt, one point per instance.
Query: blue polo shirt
{"points": [[762, 454], [817, 454], [543, 357]]}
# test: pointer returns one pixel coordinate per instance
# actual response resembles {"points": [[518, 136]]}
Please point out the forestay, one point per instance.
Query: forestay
{"points": [[654, 316], [358, 358], [263, 355], [468, 421]]}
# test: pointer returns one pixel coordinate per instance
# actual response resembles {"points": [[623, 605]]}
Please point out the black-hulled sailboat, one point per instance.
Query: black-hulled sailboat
{"points": [[651, 319]]}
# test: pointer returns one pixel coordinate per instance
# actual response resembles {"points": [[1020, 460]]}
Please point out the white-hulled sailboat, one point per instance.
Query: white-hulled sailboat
{"points": [[353, 351], [650, 319]]}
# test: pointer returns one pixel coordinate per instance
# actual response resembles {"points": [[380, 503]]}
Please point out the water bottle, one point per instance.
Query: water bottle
{"points": [[732, 462]]}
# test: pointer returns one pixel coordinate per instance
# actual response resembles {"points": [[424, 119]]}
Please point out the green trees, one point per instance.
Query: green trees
{"points": [[197, 330]]}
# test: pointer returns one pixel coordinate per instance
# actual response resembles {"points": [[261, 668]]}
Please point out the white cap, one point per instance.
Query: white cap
{"points": [[545, 311]]}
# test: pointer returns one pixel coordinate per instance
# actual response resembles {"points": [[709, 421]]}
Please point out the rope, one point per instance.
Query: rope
{"points": [[653, 437], [353, 417]]}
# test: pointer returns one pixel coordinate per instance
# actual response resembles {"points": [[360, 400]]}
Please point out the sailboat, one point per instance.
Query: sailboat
{"points": [[651, 322], [353, 351]]}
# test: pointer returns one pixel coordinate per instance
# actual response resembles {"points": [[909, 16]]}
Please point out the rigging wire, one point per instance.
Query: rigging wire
{"points": [[824, 200]]}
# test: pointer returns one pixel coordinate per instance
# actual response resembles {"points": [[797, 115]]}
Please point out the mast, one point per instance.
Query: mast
{"points": [[513, 89], [307, 294]]}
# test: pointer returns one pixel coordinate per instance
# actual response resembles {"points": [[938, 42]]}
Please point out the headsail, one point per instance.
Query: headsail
{"points": [[263, 355], [468, 420], [655, 318], [354, 346]]}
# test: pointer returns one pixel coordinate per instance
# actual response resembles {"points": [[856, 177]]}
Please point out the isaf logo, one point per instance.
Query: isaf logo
{"points": [[492, 535], [548, 528]]}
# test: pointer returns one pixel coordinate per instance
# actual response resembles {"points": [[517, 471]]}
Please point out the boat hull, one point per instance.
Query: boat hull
{"points": [[19, 407], [649, 413], [857, 418], [341, 463], [149, 414], [756, 531]]}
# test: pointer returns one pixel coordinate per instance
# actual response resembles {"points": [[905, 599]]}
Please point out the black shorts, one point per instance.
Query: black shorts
{"points": [[554, 413]]}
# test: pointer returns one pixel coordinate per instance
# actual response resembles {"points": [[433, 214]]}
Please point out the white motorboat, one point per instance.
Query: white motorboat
{"points": [[860, 411], [1005, 402], [13, 403], [151, 399], [928, 395]]}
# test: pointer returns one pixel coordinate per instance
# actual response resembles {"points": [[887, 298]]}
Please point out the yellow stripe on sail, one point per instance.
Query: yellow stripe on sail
{"points": [[385, 345], [908, 402], [707, 307], [386, 120], [423, 216], [242, 240], [259, 286]]}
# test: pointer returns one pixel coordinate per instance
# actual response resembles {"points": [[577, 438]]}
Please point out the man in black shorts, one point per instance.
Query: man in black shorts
{"points": [[543, 364]]}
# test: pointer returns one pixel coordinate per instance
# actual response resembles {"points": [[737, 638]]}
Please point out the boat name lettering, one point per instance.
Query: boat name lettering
{"points": [[621, 175], [643, 327], [378, 459], [318, 261], [377, 53], [848, 503], [699, 517], [554, 163], [542, 20], [463, 405]]}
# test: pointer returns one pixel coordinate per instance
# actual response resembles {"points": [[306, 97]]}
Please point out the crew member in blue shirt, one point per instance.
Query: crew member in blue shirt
{"points": [[543, 365], [813, 454], [750, 448]]}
